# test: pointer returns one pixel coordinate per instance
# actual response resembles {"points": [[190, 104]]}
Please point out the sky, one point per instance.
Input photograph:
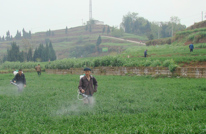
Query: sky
{"points": [[42, 15]]}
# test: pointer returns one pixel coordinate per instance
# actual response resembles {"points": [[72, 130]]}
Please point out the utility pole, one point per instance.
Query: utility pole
{"points": [[90, 10]]}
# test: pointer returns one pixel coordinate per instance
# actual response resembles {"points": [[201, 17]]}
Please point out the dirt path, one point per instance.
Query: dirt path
{"points": [[131, 41]]}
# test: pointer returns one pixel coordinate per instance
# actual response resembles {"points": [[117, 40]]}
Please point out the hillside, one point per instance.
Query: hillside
{"points": [[75, 37], [193, 34]]}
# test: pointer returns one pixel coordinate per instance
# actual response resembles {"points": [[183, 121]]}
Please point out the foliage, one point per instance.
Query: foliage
{"points": [[74, 63], [117, 32], [14, 54], [99, 41], [166, 63], [44, 53], [26, 35], [18, 35], [155, 63], [141, 26], [66, 30]]}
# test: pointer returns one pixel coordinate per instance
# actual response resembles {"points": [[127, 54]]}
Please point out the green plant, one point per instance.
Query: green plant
{"points": [[155, 63]]}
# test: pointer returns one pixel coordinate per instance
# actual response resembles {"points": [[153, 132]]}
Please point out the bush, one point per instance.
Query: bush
{"points": [[147, 63], [172, 67], [166, 63], [117, 33], [155, 63]]}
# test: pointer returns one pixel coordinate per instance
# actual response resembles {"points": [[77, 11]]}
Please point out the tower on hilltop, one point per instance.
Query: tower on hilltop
{"points": [[90, 10]]}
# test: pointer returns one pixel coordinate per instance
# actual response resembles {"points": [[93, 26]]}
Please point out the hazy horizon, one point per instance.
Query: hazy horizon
{"points": [[37, 15]]}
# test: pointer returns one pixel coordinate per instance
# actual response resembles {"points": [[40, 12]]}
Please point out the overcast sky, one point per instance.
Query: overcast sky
{"points": [[41, 15]]}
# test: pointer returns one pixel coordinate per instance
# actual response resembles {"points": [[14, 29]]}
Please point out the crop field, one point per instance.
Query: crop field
{"points": [[163, 52], [123, 104]]}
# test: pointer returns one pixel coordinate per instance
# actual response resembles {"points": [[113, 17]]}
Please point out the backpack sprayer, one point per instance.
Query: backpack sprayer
{"points": [[11, 82], [83, 95], [79, 93]]}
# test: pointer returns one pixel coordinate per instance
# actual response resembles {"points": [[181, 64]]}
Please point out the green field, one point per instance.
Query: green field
{"points": [[124, 104], [163, 52]]}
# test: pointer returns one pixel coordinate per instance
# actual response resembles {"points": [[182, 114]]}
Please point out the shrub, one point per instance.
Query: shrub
{"points": [[147, 63], [172, 67], [166, 63], [155, 63]]}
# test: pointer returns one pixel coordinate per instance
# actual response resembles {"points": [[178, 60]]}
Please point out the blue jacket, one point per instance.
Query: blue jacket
{"points": [[191, 46], [145, 53]]}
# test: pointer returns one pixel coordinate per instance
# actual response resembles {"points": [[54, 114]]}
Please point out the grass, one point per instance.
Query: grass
{"points": [[123, 105], [163, 52]]}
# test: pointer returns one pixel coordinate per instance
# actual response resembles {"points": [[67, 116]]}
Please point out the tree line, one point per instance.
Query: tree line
{"points": [[18, 36], [132, 23], [41, 53]]}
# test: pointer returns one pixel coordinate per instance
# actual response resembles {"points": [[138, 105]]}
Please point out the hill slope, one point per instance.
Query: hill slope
{"points": [[75, 37], [193, 34]]}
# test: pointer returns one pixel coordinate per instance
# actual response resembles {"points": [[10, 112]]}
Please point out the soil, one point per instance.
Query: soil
{"points": [[194, 64]]}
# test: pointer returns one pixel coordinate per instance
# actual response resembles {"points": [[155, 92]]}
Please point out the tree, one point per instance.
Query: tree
{"points": [[35, 55], [128, 21], [174, 20], [13, 54], [18, 35], [3, 39], [150, 36], [66, 30], [29, 34], [108, 30], [21, 56], [29, 55], [52, 53], [164, 31], [26, 35], [8, 36], [99, 41]]}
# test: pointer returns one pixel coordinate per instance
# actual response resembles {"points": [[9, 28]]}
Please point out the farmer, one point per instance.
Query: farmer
{"points": [[145, 53], [191, 46], [20, 80], [38, 69], [88, 85]]}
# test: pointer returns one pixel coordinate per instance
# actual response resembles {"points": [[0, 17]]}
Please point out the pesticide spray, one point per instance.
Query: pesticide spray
{"points": [[74, 107]]}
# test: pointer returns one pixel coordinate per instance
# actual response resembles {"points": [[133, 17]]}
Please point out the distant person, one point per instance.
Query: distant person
{"points": [[38, 69], [20, 80], [191, 46], [145, 53], [88, 85]]}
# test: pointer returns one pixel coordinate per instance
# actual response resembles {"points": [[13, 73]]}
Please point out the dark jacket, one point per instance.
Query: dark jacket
{"points": [[145, 53], [89, 86], [20, 79]]}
